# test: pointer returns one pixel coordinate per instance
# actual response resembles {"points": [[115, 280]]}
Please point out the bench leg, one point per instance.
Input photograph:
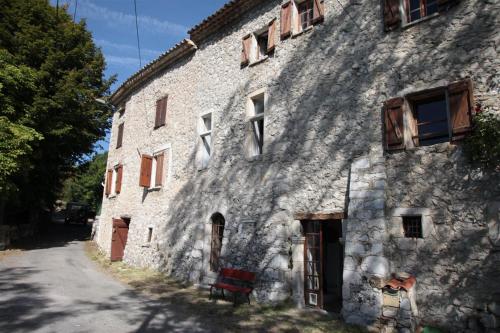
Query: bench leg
{"points": [[248, 298]]}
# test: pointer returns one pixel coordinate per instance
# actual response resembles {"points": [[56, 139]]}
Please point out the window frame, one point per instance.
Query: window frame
{"points": [[113, 180], [204, 133], [404, 13], [255, 136], [410, 229]]}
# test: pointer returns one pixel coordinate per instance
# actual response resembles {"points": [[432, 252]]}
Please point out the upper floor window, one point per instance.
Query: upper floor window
{"points": [[161, 112], [429, 117], [154, 169], [119, 139], [403, 12], [417, 9], [258, 45], [114, 180], [206, 140], [298, 15], [255, 125]]}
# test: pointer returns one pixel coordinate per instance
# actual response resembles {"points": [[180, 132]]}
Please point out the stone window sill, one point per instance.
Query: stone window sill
{"points": [[254, 158], [256, 62], [146, 245], [154, 188], [308, 29], [411, 24], [112, 196]]}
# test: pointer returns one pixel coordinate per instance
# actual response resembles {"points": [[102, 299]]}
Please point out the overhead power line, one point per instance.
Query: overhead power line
{"points": [[137, 32]]}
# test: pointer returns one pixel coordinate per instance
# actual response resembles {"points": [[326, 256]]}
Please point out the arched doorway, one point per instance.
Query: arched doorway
{"points": [[218, 223]]}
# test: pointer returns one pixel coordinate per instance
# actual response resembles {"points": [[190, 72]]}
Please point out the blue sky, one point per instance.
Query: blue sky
{"points": [[162, 24]]}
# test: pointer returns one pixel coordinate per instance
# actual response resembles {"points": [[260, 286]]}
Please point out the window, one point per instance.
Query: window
{"points": [[119, 139], [417, 9], [305, 10], [153, 169], [412, 226], [258, 45], [218, 223], [255, 127], [206, 140], [428, 117], [298, 15], [150, 234], [161, 112], [114, 180]]}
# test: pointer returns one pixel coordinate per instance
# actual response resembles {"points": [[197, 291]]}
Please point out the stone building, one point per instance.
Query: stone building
{"points": [[318, 144]]}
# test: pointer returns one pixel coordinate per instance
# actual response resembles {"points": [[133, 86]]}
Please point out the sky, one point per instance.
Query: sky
{"points": [[162, 24]]}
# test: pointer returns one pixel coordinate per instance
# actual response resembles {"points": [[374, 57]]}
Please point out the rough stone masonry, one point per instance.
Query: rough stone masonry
{"points": [[323, 153]]}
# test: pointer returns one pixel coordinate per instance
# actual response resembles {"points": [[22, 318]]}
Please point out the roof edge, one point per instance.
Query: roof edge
{"points": [[177, 52]]}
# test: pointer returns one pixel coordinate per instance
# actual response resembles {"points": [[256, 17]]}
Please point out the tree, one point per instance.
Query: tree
{"points": [[50, 76], [85, 185]]}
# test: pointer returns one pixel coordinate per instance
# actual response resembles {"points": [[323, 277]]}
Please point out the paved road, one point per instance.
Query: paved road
{"points": [[54, 287]]}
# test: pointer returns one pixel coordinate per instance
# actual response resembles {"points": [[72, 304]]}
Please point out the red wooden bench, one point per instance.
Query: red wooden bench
{"points": [[235, 281]]}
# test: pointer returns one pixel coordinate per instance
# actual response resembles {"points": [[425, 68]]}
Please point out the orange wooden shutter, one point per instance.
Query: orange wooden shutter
{"points": [[460, 102], [245, 51], [392, 17], [118, 183], [159, 169], [146, 165], [271, 36], [120, 136], [318, 11], [109, 179], [286, 20], [394, 128]]}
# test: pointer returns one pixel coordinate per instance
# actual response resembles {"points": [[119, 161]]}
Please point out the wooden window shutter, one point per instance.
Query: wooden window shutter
{"points": [[394, 127], [120, 136], [271, 36], [161, 112], [158, 113], [460, 104], [146, 165], [392, 16], [159, 169], [118, 183], [163, 118], [318, 11], [109, 179], [245, 50], [286, 20]]}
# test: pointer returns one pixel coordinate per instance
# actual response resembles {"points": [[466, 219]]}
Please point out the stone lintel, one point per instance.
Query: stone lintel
{"points": [[320, 216]]}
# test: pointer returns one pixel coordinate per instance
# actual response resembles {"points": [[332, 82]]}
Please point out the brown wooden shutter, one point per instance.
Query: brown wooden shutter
{"points": [[159, 169], [118, 183], [392, 17], [120, 136], [245, 49], [318, 11], [286, 20], [460, 100], [394, 127], [271, 36], [109, 179], [163, 118], [146, 165], [161, 112], [158, 113]]}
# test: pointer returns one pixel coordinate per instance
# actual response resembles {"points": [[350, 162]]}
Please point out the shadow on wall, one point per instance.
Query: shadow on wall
{"points": [[320, 118]]}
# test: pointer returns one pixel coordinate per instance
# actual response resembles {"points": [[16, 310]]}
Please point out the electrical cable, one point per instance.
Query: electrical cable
{"points": [[74, 13], [137, 32]]}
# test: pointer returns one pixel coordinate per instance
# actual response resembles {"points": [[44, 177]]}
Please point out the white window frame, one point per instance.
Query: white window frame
{"points": [[206, 137], [296, 26], [113, 193], [253, 147], [255, 57], [167, 158]]}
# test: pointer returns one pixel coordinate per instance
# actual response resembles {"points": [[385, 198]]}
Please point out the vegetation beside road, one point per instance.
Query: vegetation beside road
{"points": [[221, 314]]}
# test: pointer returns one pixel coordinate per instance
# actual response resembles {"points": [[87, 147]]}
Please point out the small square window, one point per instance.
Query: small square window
{"points": [[412, 226]]}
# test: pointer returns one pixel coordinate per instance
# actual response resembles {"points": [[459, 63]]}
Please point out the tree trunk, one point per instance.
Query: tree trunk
{"points": [[2, 210]]}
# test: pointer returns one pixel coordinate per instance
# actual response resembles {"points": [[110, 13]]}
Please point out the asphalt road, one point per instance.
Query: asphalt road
{"points": [[54, 287]]}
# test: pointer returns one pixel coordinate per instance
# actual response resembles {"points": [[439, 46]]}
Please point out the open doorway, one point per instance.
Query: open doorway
{"points": [[323, 264]]}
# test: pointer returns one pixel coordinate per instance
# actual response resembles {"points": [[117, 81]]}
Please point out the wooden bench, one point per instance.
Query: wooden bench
{"points": [[235, 281]]}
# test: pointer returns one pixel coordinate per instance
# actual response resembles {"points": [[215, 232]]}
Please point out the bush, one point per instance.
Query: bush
{"points": [[483, 145]]}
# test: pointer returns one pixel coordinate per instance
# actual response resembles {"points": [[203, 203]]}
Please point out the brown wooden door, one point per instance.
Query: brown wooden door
{"points": [[119, 239], [313, 266]]}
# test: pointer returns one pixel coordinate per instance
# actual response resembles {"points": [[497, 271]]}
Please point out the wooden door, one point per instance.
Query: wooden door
{"points": [[119, 239], [313, 266]]}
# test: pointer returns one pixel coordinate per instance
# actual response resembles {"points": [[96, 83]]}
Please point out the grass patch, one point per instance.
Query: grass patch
{"points": [[220, 314]]}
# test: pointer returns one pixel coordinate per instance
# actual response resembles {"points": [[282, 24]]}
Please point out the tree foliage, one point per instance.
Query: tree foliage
{"points": [[85, 185], [483, 145], [50, 76]]}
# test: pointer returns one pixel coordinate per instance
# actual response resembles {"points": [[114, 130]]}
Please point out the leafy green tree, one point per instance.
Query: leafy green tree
{"points": [[51, 74], [483, 145], [85, 185]]}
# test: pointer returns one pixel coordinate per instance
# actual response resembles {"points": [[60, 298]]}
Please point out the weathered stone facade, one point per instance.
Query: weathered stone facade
{"points": [[323, 152]]}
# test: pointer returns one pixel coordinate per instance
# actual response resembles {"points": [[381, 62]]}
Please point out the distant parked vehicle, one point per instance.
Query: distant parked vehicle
{"points": [[77, 213]]}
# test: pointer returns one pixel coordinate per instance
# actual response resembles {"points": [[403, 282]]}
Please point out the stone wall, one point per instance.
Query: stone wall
{"points": [[322, 153]]}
